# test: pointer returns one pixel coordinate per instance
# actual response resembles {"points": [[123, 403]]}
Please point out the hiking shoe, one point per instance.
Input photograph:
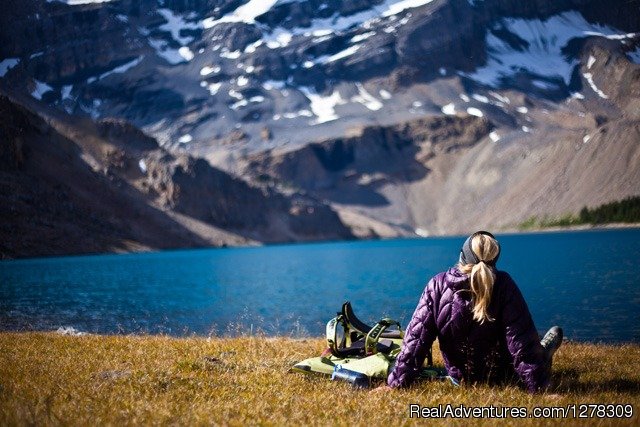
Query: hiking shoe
{"points": [[552, 340]]}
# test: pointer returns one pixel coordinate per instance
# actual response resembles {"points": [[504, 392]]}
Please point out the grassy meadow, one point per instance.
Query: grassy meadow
{"points": [[53, 379]]}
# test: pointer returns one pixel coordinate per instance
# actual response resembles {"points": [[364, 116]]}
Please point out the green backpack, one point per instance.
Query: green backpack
{"points": [[357, 352]]}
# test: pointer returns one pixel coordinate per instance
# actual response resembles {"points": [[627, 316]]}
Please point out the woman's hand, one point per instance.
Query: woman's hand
{"points": [[381, 389]]}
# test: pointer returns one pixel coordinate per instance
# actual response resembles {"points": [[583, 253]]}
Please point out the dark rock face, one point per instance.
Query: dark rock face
{"points": [[529, 9], [391, 152], [14, 128], [612, 73], [428, 42], [624, 15], [211, 195], [122, 197], [69, 42], [194, 188], [334, 156], [235, 36], [52, 203], [118, 130]]}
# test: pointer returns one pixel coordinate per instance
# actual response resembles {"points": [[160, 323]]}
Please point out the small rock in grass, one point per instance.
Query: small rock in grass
{"points": [[212, 360]]}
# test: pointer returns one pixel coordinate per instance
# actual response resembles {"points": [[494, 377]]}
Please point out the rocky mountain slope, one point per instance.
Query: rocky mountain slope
{"points": [[70, 186], [376, 117]]}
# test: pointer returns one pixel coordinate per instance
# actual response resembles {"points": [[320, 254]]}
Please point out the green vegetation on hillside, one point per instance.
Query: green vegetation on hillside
{"points": [[623, 211], [51, 379]]}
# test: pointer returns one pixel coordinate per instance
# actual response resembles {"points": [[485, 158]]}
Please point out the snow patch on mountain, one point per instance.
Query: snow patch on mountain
{"points": [[323, 107], [230, 55], [213, 88], [78, 2], [325, 59], [273, 84], [589, 78], [360, 37], [186, 53], [544, 85], [634, 55], [394, 8], [449, 109], [366, 99], [8, 64], [65, 92], [421, 232], [613, 36], [235, 94], [93, 109], [118, 70], [319, 27], [171, 55], [480, 98], [242, 81], [247, 13], [185, 139], [175, 24], [294, 115], [474, 112], [500, 98], [206, 70], [540, 52], [40, 89]]}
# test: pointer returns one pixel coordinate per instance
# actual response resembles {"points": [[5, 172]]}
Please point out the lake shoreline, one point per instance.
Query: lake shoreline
{"points": [[497, 231], [581, 227], [52, 378]]}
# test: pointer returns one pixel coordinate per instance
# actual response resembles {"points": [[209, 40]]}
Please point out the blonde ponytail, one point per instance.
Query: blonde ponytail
{"points": [[481, 276]]}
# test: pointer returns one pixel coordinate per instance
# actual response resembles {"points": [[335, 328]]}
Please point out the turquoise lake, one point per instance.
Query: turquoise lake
{"points": [[588, 282]]}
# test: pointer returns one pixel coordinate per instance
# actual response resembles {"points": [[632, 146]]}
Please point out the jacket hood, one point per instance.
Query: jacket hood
{"points": [[456, 279]]}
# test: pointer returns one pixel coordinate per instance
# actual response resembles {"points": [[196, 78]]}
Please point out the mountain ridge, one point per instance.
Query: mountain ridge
{"points": [[261, 98]]}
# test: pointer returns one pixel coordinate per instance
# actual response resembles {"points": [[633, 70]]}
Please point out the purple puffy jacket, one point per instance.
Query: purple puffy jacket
{"points": [[493, 351]]}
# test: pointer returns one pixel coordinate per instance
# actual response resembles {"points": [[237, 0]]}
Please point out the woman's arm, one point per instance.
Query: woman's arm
{"points": [[418, 338], [529, 358]]}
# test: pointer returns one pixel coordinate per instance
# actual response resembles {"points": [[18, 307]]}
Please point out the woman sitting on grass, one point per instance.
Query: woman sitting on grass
{"points": [[482, 323]]}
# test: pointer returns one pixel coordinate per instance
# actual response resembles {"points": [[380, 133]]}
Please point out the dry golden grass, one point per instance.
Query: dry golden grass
{"points": [[50, 379]]}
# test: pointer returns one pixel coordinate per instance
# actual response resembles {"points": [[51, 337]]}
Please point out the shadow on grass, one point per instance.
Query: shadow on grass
{"points": [[568, 380]]}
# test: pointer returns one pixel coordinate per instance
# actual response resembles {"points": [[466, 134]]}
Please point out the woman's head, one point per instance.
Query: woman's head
{"points": [[478, 258]]}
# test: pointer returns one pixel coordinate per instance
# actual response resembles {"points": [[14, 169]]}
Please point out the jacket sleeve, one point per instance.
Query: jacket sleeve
{"points": [[529, 357], [418, 338]]}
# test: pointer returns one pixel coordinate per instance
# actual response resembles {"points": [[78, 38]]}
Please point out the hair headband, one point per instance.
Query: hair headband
{"points": [[467, 256]]}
